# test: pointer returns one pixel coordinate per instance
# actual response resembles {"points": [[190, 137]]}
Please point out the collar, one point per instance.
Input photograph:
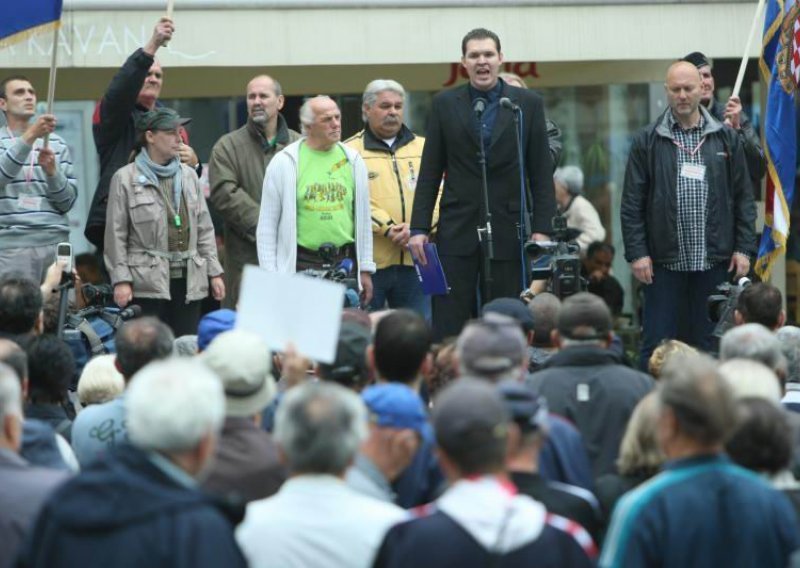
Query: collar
{"points": [[171, 470], [675, 125], [703, 459], [492, 95], [664, 129], [281, 134], [583, 355], [375, 144]]}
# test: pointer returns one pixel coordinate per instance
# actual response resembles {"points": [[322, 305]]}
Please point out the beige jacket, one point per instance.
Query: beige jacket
{"points": [[136, 237]]}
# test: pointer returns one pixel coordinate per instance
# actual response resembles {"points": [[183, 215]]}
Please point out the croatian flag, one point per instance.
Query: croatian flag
{"points": [[780, 68]]}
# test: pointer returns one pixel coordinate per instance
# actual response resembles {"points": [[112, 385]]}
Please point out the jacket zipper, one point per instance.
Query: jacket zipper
{"points": [[402, 198]]}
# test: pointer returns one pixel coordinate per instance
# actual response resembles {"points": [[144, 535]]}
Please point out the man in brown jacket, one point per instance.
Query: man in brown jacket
{"points": [[236, 172]]}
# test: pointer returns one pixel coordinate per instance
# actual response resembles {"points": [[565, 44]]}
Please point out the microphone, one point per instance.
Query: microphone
{"points": [[344, 268], [479, 106], [132, 311], [505, 102]]}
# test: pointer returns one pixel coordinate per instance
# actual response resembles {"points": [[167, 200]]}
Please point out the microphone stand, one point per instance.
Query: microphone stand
{"points": [[525, 219], [485, 230]]}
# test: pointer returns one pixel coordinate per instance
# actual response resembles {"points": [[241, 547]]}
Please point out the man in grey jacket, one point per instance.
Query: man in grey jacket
{"points": [[316, 196], [236, 172]]}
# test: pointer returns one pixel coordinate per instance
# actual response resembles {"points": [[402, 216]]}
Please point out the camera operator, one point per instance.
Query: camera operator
{"points": [[760, 303], [600, 282], [556, 264]]}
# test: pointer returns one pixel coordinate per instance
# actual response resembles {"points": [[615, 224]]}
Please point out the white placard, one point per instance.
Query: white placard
{"points": [[284, 308]]}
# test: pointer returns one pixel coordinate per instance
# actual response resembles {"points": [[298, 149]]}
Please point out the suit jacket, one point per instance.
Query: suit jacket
{"points": [[452, 149]]}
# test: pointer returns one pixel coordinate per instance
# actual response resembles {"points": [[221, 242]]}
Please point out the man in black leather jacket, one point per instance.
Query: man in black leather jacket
{"points": [[687, 213]]}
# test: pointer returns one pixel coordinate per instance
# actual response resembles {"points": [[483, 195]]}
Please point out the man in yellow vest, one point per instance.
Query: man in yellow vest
{"points": [[392, 154]]}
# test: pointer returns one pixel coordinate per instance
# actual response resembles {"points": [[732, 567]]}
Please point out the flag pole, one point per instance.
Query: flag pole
{"points": [[51, 84], [170, 8], [740, 77]]}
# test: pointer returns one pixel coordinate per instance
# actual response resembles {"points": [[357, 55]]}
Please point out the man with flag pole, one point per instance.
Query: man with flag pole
{"points": [[37, 184], [780, 69]]}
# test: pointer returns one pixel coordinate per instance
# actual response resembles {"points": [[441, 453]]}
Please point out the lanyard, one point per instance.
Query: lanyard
{"points": [[687, 150], [29, 174]]}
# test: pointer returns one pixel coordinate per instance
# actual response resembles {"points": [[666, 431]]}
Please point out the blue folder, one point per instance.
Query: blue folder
{"points": [[431, 275]]}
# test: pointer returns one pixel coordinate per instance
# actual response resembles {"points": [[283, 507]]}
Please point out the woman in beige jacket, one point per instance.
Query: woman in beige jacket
{"points": [[160, 248], [578, 210]]}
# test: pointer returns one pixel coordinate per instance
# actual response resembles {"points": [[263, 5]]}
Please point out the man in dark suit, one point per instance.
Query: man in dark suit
{"points": [[452, 150]]}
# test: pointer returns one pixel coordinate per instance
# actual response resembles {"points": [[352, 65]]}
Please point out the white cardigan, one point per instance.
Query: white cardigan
{"points": [[276, 234]]}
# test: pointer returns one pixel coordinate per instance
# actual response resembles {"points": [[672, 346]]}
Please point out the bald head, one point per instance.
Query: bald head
{"points": [[683, 88]]}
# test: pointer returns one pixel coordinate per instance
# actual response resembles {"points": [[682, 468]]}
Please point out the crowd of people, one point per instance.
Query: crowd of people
{"points": [[464, 429]]}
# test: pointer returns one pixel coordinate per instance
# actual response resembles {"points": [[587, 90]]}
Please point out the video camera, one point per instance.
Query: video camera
{"points": [[563, 268], [722, 304], [341, 273]]}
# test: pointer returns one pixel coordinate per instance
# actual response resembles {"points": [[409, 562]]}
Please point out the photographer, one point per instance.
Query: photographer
{"points": [[760, 303]]}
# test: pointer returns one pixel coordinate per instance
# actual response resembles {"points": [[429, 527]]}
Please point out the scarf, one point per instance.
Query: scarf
{"points": [[152, 172]]}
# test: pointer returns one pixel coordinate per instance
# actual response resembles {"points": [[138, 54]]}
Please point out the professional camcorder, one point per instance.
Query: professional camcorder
{"points": [[562, 258], [340, 273], [722, 304]]}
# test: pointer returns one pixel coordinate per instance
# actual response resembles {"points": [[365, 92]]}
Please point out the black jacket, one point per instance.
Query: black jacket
{"points": [[591, 387], [649, 209], [126, 512], [451, 150]]}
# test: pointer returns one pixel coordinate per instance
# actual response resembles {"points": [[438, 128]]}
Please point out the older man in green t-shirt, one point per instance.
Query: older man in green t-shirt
{"points": [[316, 193]]}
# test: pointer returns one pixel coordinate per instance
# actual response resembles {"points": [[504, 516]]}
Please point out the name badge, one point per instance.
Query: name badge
{"points": [[693, 171], [29, 203], [582, 393]]}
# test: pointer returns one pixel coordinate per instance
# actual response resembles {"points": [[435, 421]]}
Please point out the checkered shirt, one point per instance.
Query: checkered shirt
{"points": [[692, 201]]}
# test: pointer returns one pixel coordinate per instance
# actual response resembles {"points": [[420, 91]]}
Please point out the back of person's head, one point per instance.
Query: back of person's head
{"points": [[750, 379], [753, 341], [762, 441], [699, 399], [15, 357], [599, 246], [571, 177], [212, 324], [51, 368], [20, 304], [492, 348], [639, 452], [761, 303], [445, 366], [584, 319], [528, 414], [173, 405], [185, 346], [349, 368], [664, 352], [513, 308], [141, 341], [242, 360], [319, 427], [789, 338], [471, 424], [544, 308], [401, 344], [10, 409], [100, 381]]}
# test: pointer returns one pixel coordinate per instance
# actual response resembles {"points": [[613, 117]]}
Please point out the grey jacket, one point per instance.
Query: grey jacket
{"points": [[23, 491], [136, 237]]}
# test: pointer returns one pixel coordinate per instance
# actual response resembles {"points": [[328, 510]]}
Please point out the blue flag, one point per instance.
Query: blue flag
{"points": [[780, 69], [28, 17]]}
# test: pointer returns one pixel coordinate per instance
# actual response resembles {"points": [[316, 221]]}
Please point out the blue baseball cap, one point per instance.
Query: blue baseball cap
{"points": [[394, 405], [212, 324]]}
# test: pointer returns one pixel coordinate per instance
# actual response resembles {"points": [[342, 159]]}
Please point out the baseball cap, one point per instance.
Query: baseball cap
{"points": [[526, 408], [161, 118], [394, 405], [491, 345], [212, 324], [513, 308], [697, 59], [350, 366], [468, 413], [241, 359]]}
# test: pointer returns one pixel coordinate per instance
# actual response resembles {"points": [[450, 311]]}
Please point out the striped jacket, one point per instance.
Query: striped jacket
{"points": [[34, 206]]}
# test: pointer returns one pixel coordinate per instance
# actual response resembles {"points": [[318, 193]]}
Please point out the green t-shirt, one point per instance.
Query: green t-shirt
{"points": [[325, 191]]}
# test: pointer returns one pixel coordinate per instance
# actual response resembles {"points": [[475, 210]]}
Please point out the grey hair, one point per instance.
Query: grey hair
{"points": [[789, 338], [100, 381], [320, 426], [374, 88], [755, 342], [173, 404], [751, 379], [570, 177], [307, 113], [700, 399], [10, 393]]}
